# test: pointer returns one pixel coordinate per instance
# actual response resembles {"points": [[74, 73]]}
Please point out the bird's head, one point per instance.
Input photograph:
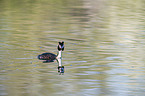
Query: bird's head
{"points": [[60, 46]]}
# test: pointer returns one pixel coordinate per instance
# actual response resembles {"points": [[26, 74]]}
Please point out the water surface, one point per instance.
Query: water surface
{"points": [[104, 47]]}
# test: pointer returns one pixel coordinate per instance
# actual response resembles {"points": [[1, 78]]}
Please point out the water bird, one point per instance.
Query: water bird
{"points": [[50, 57]]}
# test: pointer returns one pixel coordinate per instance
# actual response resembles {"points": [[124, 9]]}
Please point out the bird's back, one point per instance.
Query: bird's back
{"points": [[47, 56]]}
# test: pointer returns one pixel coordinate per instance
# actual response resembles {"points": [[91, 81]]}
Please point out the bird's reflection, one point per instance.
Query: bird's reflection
{"points": [[47, 61], [61, 70], [60, 67]]}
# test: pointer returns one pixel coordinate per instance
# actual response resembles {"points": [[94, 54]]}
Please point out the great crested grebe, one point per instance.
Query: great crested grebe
{"points": [[50, 57]]}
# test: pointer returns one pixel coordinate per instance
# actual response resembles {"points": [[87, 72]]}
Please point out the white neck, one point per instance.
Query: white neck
{"points": [[59, 55], [59, 58], [59, 62]]}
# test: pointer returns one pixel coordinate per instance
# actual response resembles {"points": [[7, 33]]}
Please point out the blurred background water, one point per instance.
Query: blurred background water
{"points": [[104, 47]]}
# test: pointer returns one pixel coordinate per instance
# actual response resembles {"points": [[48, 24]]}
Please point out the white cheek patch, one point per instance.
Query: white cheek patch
{"points": [[61, 46]]}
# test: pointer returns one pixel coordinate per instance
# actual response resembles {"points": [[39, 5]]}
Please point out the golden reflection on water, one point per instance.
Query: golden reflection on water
{"points": [[104, 49]]}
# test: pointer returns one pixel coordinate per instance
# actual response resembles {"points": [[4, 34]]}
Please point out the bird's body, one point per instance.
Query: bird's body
{"points": [[47, 56], [50, 57]]}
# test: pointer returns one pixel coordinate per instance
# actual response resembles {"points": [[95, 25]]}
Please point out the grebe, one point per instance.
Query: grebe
{"points": [[50, 57]]}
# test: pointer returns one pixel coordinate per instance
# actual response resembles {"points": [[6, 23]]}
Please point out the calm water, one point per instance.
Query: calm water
{"points": [[104, 47]]}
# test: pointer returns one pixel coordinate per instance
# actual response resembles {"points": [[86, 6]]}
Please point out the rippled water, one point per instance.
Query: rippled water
{"points": [[104, 47]]}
